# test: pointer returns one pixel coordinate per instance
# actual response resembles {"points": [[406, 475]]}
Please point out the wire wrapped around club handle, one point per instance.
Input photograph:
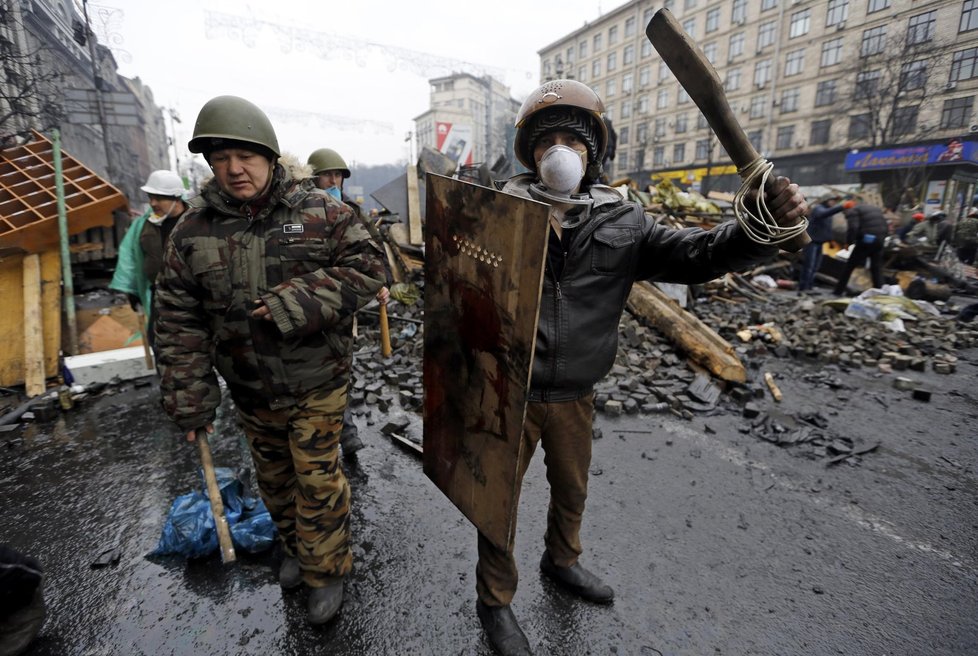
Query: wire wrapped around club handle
{"points": [[700, 80]]}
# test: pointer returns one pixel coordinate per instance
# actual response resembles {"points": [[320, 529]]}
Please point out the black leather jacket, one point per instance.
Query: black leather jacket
{"points": [[577, 333]]}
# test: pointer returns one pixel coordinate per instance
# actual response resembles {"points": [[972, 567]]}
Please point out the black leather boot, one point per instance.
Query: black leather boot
{"points": [[324, 603], [502, 629], [289, 573], [577, 580]]}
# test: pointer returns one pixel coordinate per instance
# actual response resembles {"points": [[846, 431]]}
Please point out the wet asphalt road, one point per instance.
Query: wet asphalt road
{"points": [[715, 542]]}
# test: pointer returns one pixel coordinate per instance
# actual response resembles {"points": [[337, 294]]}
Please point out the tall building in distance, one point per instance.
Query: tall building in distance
{"points": [[469, 118], [831, 91]]}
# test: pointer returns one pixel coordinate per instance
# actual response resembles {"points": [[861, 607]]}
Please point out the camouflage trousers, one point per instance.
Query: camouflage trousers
{"points": [[296, 456], [564, 430]]}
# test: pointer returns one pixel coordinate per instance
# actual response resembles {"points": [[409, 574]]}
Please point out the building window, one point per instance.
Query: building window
{"points": [[612, 35], [837, 13], [648, 14], [765, 34], [659, 130], [644, 76], [738, 13], [582, 74], [642, 132], [866, 83], [703, 149], [681, 122], [662, 99], [877, 5], [873, 41], [570, 55], [623, 136], [663, 71], [820, 132], [646, 48], [701, 122], [732, 82], [957, 112], [785, 138], [611, 88], [689, 4], [596, 68], [689, 25], [920, 28], [626, 82], [643, 104], [682, 98], [859, 126], [659, 156], [913, 75], [755, 137], [794, 62], [639, 159], [758, 106], [597, 43], [762, 73], [612, 61], [710, 50], [629, 27], [582, 50], [831, 52], [825, 93], [964, 65], [626, 107], [904, 121], [628, 55], [678, 153], [712, 20], [736, 46], [768, 4], [969, 16], [800, 23], [789, 100]]}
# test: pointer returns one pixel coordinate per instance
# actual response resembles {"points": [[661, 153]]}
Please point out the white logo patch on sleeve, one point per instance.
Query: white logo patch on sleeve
{"points": [[292, 228]]}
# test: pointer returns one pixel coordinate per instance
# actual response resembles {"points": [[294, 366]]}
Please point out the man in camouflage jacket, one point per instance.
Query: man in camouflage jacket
{"points": [[261, 284]]}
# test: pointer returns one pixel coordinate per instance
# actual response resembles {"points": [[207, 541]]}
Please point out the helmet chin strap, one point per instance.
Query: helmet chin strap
{"points": [[538, 191]]}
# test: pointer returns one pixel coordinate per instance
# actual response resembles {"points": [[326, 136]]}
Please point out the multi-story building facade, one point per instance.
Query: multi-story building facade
{"points": [[46, 54], [813, 83], [469, 118]]}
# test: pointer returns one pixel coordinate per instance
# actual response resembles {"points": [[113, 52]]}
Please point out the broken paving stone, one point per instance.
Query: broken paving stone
{"points": [[613, 408], [395, 426], [751, 410], [704, 390], [921, 395], [903, 383]]}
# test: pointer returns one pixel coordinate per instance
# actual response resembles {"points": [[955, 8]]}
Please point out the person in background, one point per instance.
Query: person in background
{"points": [[260, 283], [866, 232], [600, 243], [966, 237], [329, 171], [933, 232], [820, 231], [905, 230], [141, 251]]}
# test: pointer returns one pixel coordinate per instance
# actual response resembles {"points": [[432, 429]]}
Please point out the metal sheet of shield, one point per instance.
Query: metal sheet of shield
{"points": [[484, 263]]}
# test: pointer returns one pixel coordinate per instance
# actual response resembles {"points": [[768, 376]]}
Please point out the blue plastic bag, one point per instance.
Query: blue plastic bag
{"points": [[189, 529]]}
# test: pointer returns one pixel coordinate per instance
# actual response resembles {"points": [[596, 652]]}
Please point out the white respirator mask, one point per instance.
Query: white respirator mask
{"points": [[562, 169], [157, 219]]}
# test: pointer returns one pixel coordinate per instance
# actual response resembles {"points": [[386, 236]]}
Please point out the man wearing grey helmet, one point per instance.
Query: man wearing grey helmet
{"points": [[600, 243]]}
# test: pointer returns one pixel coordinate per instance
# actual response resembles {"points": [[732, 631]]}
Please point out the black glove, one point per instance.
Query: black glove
{"points": [[134, 303]]}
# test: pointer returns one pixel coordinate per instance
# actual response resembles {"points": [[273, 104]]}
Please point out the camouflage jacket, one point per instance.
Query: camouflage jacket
{"points": [[966, 232], [305, 255]]}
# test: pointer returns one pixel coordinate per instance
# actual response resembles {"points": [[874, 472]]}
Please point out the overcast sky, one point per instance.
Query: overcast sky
{"points": [[349, 75]]}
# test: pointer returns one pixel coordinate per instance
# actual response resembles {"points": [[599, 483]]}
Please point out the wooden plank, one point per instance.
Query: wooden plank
{"points": [[483, 272], [414, 207], [687, 332], [33, 327]]}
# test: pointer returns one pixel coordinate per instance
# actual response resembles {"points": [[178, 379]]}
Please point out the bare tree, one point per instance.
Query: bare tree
{"points": [[28, 91], [888, 84]]}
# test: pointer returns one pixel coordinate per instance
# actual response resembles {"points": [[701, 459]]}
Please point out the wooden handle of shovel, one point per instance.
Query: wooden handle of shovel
{"points": [[385, 332], [144, 326], [214, 494], [701, 82]]}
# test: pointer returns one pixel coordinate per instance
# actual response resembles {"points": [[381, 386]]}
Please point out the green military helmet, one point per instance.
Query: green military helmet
{"points": [[327, 159], [234, 119]]}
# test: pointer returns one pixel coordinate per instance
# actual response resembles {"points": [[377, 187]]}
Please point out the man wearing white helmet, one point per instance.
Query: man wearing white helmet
{"points": [[141, 251]]}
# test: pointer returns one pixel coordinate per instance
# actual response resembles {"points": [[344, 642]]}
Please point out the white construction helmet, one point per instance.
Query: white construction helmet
{"points": [[164, 183]]}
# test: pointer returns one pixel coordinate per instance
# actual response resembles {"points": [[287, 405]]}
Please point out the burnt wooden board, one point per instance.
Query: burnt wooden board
{"points": [[484, 259]]}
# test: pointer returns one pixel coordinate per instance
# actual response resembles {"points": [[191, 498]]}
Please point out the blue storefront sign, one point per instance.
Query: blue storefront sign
{"points": [[953, 152]]}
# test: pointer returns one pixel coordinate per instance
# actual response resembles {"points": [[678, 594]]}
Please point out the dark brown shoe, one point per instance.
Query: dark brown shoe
{"points": [[502, 629], [577, 580]]}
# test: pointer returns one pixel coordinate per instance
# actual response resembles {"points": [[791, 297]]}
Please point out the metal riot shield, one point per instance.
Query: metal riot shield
{"points": [[484, 262]]}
